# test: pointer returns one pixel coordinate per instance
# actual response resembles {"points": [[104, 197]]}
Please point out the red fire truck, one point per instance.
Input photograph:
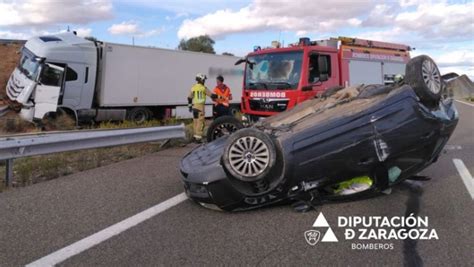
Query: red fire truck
{"points": [[278, 78]]}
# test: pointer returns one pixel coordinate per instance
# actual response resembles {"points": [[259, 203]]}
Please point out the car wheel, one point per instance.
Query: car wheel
{"points": [[250, 155], [138, 114], [422, 74], [222, 126]]}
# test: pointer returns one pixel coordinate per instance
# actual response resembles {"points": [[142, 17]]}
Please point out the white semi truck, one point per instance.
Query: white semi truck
{"points": [[105, 81]]}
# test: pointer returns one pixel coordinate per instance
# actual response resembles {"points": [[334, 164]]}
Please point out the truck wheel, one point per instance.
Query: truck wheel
{"points": [[233, 110], [138, 114], [250, 155], [61, 120], [222, 126], [422, 74]]}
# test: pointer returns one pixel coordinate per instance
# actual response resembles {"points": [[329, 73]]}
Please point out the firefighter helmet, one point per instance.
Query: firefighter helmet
{"points": [[200, 77]]}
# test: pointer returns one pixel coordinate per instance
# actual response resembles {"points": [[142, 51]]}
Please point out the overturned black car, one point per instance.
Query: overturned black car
{"points": [[373, 135]]}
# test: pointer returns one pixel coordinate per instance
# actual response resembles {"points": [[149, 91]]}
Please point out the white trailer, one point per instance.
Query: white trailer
{"points": [[107, 81]]}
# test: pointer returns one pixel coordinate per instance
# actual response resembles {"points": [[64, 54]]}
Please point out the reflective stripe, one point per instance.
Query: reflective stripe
{"points": [[224, 100], [199, 94]]}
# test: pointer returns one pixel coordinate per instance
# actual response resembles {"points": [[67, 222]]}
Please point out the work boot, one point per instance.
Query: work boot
{"points": [[197, 139]]}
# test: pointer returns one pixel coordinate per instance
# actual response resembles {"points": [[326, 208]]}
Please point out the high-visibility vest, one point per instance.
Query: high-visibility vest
{"points": [[222, 96], [199, 93]]}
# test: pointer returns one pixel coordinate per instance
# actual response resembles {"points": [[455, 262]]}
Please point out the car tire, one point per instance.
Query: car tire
{"points": [[250, 155], [222, 126], [139, 114], [422, 74]]}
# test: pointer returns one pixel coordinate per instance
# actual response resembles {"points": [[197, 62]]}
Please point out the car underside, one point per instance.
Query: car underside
{"points": [[376, 135]]}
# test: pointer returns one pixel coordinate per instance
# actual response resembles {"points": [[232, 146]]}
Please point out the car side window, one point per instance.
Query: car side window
{"points": [[315, 63]]}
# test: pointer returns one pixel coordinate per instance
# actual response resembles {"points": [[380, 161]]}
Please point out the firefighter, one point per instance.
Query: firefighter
{"points": [[196, 105], [221, 103]]}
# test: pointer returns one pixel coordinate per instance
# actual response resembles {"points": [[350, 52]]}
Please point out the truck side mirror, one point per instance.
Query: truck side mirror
{"points": [[240, 61], [44, 70], [323, 65], [323, 77]]}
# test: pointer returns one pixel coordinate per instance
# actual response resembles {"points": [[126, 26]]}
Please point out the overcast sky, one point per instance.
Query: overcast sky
{"points": [[441, 29]]}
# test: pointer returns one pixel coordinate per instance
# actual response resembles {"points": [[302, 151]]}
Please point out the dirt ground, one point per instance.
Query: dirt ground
{"points": [[8, 60]]}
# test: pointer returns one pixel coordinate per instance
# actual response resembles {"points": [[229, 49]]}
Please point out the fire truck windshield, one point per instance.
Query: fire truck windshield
{"points": [[274, 71]]}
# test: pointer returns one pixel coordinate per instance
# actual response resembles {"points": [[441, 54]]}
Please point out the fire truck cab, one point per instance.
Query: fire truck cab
{"points": [[278, 78]]}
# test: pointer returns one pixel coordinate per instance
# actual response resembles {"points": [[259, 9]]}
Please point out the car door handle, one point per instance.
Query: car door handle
{"points": [[366, 161], [427, 135]]}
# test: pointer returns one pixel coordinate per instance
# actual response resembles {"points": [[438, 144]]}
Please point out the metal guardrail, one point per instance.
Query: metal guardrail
{"points": [[18, 146]]}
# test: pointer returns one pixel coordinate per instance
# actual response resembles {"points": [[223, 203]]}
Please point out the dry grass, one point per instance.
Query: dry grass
{"points": [[27, 171], [14, 124]]}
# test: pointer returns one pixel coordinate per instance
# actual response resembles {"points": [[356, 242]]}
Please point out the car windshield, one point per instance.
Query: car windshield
{"points": [[29, 64], [274, 71]]}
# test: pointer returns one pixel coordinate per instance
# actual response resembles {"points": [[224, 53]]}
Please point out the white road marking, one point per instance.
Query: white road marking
{"points": [[452, 147], [99, 237], [469, 104], [465, 175]]}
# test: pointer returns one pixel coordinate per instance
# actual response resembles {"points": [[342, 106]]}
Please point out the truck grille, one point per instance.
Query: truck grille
{"points": [[268, 105], [13, 90]]}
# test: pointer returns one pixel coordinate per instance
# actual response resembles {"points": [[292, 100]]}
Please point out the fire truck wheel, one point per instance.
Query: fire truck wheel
{"points": [[139, 114], [422, 74], [233, 110], [250, 155], [222, 126]]}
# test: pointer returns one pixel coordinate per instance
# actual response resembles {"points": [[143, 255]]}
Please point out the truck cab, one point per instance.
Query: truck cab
{"points": [[278, 78], [54, 71]]}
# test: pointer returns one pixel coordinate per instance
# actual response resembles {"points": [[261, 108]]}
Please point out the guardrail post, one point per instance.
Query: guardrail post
{"points": [[8, 172]]}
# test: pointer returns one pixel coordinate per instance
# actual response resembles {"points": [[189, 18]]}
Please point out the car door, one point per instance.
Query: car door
{"points": [[48, 90]]}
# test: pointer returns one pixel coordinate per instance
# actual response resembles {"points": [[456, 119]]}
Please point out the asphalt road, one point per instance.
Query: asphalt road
{"points": [[38, 220]]}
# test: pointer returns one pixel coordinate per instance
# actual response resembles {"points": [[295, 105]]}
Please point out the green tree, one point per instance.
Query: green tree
{"points": [[227, 54], [202, 43]]}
